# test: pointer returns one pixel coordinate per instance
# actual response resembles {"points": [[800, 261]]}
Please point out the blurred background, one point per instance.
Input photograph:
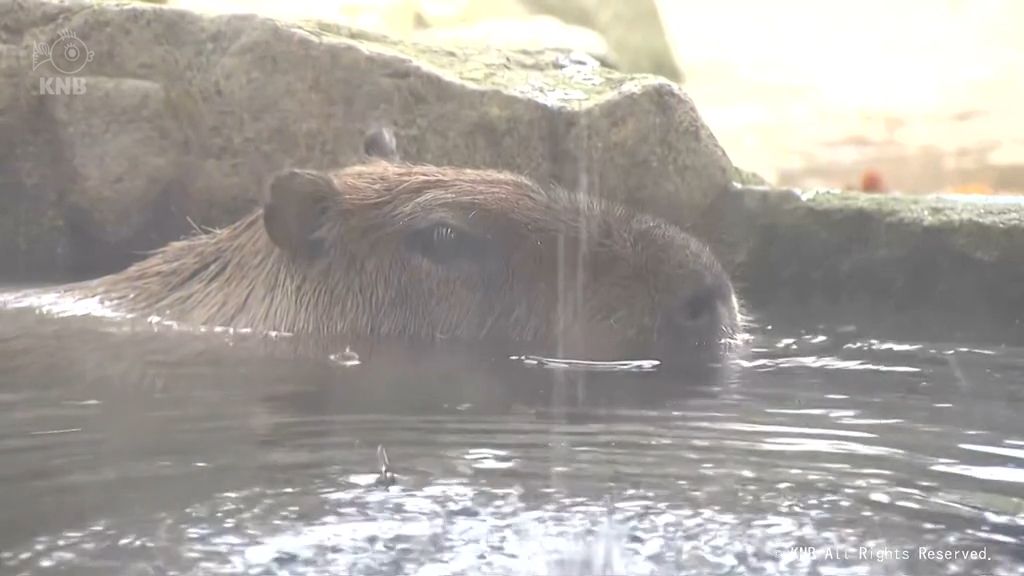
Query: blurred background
{"points": [[917, 96]]}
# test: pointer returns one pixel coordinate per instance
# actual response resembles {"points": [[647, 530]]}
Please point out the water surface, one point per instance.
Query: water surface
{"points": [[133, 450]]}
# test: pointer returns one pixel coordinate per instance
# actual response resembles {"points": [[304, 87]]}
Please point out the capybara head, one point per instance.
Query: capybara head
{"points": [[388, 249]]}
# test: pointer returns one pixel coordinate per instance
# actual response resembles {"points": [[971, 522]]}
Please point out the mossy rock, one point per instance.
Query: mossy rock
{"points": [[218, 102]]}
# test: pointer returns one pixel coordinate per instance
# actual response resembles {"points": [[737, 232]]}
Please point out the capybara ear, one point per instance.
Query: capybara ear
{"points": [[380, 143], [294, 211]]}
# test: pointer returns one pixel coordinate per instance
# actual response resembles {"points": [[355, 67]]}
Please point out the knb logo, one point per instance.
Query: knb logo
{"points": [[68, 55]]}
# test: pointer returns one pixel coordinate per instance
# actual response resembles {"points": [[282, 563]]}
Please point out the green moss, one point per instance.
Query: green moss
{"points": [[537, 74], [930, 211], [851, 227]]}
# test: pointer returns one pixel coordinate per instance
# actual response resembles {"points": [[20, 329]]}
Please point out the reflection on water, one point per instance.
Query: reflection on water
{"points": [[127, 450]]}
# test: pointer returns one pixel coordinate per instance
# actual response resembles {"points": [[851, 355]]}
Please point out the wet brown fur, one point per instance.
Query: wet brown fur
{"points": [[559, 266]]}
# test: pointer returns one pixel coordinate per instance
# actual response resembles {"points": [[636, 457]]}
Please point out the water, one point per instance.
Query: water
{"points": [[135, 451]]}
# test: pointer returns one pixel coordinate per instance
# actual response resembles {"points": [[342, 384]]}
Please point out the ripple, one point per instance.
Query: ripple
{"points": [[826, 363], [745, 427], [1001, 451], [589, 365], [827, 446], [996, 473], [58, 304], [248, 466], [882, 345]]}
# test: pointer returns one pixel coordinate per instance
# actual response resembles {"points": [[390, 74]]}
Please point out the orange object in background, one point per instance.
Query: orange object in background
{"points": [[972, 188], [871, 181]]}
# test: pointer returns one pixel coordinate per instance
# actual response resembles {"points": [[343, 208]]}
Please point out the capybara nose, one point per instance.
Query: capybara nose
{"points": [[695, 321]]}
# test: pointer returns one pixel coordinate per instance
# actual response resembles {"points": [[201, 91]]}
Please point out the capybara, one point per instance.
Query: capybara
{"points": [[388, 249]]}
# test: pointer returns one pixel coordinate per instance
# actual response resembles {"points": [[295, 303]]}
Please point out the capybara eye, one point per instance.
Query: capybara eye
{"points": [[444, 243], [380, 143]]}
